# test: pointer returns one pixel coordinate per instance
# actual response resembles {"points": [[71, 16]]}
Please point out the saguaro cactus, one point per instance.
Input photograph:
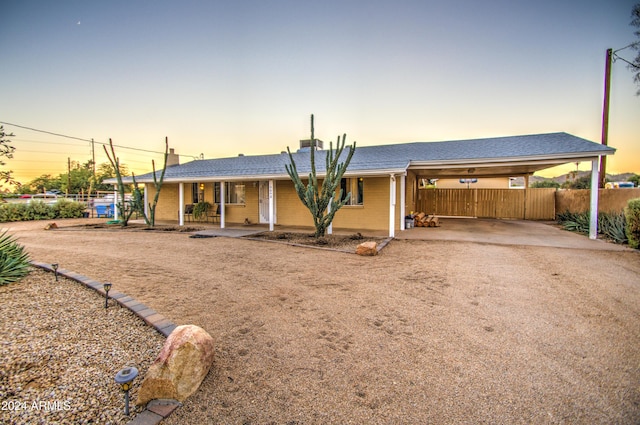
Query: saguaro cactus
{"points": [[322, 201]]}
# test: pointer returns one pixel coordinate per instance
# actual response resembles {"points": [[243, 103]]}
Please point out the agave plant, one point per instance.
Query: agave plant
{"points": [[613, 226], [14, 261]]}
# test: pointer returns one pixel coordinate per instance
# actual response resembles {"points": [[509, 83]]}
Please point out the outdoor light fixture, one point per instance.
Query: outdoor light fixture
{"points": [[107, 287], [124, 377], [55, 270]]}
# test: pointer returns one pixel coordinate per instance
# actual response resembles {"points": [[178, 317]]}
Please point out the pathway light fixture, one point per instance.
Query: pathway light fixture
{"points": [[55, 270], [107, 287], [124, 378]]}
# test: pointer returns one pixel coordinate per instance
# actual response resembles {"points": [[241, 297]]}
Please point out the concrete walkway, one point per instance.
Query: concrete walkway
{"points": [[507, 232], [462, 229]]}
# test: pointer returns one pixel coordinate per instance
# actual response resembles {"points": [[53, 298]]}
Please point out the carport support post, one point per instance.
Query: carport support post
{"points": [[180, 203], [593, 213], [403, 207]]}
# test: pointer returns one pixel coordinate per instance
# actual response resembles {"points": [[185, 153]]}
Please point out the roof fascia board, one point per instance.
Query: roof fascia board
{"points": [[208, 179], [559, 159]]}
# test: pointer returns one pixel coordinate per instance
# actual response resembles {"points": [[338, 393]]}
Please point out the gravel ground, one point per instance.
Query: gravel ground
{"points": [[439, 332], [61, 350]]}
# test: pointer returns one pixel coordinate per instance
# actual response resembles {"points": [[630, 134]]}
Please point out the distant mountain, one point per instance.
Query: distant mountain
{"points": [[563, 178], [519, 181]]}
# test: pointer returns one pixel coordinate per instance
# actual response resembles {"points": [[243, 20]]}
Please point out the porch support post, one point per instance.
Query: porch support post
{"points": [[271, 206], [330, 227], [222, 199], [526, 192], [403, 188], [593, 211], [146, 201], [392, 206], [115, 203], [180, 203]]}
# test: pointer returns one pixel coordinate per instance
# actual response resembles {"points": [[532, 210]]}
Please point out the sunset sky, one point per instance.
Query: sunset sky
{"points": [[220, 78]]}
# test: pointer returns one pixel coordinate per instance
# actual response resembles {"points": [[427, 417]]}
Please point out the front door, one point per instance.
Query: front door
{"points": [[264, 201]]}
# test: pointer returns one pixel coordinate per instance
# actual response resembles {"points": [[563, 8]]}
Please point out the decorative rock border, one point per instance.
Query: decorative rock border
{"points": [[379, 247], [156, 410]]}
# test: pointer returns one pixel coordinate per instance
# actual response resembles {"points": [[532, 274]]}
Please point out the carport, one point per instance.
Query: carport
{"points": [[513, 157]]}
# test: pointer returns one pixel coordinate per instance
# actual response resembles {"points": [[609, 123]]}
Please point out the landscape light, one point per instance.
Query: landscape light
{"points": [[107, 287], [55, 270], [124, 377]]}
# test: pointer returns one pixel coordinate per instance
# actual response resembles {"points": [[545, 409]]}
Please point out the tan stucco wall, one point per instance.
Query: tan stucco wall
{"points": [[482, 183], [372, 215], [411, 197], [167, 208], [609, 200]]}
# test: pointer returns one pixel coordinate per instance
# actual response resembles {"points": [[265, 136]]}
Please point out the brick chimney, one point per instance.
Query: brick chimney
{"points": [[173, 158]]}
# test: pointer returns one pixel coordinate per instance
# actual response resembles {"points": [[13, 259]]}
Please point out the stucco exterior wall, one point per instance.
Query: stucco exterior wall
{"points": [[609, 200], [482, 183], [167, 208], [411, 195], [372, 215]]}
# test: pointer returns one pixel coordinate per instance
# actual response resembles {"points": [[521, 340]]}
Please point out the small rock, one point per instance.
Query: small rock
{"points": [[367, 248], [51, 226]]}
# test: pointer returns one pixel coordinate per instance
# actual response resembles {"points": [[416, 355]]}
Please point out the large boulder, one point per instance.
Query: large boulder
{"points": [[367, 248], [180, 367]]}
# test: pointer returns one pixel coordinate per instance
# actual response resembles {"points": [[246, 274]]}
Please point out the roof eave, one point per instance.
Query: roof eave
{"points": [[531, 160]]}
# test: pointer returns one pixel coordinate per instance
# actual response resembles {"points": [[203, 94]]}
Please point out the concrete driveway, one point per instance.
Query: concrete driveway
{"points": [[507, 232]]}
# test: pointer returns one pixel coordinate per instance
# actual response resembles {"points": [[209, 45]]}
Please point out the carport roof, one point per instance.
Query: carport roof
{"points": [[500, 156]]}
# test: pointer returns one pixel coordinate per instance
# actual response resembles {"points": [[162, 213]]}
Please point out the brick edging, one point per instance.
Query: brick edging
{"points": [[150, 316], [156, 410]]}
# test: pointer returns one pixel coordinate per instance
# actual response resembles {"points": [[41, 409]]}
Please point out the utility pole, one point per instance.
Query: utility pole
{"points": [[93, 156], [605, 117]]}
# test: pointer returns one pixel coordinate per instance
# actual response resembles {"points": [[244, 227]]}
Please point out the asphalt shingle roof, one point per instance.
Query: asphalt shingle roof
{"points": [[395, 157]]}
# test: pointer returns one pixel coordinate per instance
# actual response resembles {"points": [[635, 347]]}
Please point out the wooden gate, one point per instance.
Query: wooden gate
{"points": [[528, 204]]}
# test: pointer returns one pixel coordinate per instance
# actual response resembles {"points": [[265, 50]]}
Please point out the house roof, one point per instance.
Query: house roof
{"points": [[508, 156]]}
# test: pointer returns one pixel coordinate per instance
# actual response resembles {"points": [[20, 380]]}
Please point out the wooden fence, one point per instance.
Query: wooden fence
{"points": [[528, 204]]}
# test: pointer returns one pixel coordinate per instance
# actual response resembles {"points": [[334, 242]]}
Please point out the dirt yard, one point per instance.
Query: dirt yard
{"points": [[426, 332]]}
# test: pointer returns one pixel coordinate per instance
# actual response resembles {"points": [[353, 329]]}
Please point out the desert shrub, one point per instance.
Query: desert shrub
{"points": [[14, 261], [38, 210], [13, 212], [575, 222], [68, 209], [611, 225], [632, 215]]}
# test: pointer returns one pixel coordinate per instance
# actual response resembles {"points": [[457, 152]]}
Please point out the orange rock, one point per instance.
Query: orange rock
{"points": [[367, 248], [180, 367]]}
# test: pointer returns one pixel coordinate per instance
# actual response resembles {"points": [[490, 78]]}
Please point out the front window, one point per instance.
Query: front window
{"points": [[356, 187], [234, 193]]}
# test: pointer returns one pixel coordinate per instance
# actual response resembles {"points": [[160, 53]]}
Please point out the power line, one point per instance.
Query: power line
{"points": [[84, 140]]}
